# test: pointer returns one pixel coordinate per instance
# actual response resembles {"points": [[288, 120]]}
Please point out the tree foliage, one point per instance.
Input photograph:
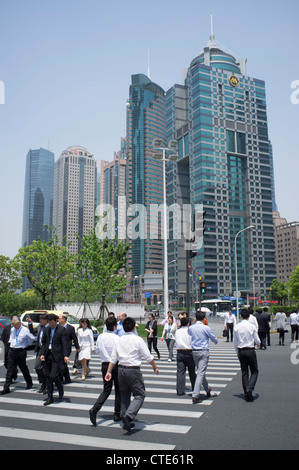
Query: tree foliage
{"points": [[45, 264], [279, 290], [100, 267], [294, 284], [9, 276]]}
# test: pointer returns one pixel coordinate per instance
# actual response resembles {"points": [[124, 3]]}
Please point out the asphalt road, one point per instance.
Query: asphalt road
{"points": [[166, 423]]}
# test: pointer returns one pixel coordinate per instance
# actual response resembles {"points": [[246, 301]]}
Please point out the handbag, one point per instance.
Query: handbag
{"points": [[224, 333]]}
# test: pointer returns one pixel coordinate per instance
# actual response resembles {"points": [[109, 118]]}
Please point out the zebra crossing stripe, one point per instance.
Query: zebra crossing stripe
{"points": [[79, 406], [65, 419], [80, 440]]}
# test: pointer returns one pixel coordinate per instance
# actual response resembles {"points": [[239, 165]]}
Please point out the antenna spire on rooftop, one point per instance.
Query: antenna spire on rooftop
{"points": [[148, 64]]}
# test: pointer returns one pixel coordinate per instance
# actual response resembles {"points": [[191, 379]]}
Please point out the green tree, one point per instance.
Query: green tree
{"points": [[279, 290], [10, 279], [100, 267], [294, 284], [45, 264]]}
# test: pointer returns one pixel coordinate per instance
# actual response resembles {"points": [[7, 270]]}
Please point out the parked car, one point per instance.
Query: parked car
{"points": [[4, 321], [35, 316]]}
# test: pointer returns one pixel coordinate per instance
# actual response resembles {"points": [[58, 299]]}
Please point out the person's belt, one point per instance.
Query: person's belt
{"points": [[129, 367]]}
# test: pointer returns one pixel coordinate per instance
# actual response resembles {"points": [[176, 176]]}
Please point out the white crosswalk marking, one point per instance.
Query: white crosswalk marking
{"points": [[163, 413]]}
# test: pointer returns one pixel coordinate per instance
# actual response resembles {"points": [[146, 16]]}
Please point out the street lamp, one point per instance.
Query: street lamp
{"points": [[172, 147], [236, 267]]}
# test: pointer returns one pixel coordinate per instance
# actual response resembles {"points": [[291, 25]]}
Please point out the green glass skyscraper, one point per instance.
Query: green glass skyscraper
{"points": [[219, 119], [146, 120]]}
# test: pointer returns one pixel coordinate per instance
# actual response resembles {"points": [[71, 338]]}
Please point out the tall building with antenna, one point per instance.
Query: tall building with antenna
{"points": [[219, 118], [75, 195]]}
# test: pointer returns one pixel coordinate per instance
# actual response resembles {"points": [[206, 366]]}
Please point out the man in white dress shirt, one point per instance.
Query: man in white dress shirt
{"points": [[104, 347], [229, 323], [184, 357], [128, 352], [20, 339], [245, 338], [294, 324]]}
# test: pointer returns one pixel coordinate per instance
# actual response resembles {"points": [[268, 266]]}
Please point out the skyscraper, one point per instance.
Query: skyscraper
{"points": [[219, 119], [146, 120], [74, 199], [38, 195], [113, 187]]}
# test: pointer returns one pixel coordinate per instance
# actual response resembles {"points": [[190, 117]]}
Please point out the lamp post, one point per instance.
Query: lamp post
{"points": [[158, 144], [236, 267]]}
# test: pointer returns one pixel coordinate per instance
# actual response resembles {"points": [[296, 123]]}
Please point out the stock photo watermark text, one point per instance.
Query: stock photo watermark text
{"points": [[295, 93]]}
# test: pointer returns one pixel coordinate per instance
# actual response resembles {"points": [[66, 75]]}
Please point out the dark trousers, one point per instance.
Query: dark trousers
{"points": [[184, 361], [108, 388], [248, 361], [53, 375], [230, 330], [263, 337], [17, 358], [64, 371], [39, 368], [294, 329], [131, 382], [153, 342], [281, 332], [15, 374]]}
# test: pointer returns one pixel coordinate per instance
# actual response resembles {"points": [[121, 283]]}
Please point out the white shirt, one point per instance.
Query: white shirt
{"points": [[280, 320], [294, 319], [129, 350], [20, 338], [183, 339], [105, 345], [230, 319], [253, 321], [85, 338], [245, 335], [169, 330]]}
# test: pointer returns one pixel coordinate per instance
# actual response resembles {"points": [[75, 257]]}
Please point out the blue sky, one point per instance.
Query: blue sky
{"points": [[67, 66]]}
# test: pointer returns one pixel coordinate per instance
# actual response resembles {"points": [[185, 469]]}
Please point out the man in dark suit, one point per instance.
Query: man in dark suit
{"points": [[54, 352], [5, 338], [263, 323], [70, 338], [39, 333]]}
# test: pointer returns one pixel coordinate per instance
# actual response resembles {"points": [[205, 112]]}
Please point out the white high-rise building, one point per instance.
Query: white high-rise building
{"points": [[74, 199]]}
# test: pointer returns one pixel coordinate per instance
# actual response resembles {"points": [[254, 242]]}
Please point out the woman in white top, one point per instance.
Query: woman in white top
{"points": [[281, 325], [86, 343], [169, 333]]}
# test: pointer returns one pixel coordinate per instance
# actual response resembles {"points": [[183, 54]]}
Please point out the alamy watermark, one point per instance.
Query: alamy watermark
{"points": [[137, 221], [295, 94], [2, 92], [295, 354]]}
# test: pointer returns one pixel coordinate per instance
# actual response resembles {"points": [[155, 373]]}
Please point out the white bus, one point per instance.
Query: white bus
{"points": [[218, 307]]}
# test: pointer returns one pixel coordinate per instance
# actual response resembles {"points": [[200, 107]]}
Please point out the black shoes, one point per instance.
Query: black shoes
{"points": [[93, 416], [49, 401], [5, 391], [127, 423], [249, 397], [196, 400]]}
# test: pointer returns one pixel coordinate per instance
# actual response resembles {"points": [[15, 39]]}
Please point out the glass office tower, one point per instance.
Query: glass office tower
{"points": [[75, 195], [38, 195], [219, 118], [38, 198], [146, 120]]}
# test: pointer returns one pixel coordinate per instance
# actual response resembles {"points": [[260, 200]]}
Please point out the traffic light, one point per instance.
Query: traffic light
{"points": [[203, 287]]}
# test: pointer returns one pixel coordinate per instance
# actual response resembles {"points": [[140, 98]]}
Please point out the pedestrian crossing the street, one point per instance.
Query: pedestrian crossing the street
{"points": [[161, 421]]}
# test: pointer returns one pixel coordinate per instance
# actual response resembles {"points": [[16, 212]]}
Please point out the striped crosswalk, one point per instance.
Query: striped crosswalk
{"points": [[162, 419]]}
